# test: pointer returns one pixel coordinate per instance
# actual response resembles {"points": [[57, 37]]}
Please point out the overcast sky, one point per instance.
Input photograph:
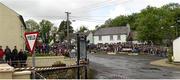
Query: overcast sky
{"points": [[83, 12]]}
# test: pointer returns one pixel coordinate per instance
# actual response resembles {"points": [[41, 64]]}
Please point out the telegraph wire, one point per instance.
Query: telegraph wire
{"points": [[102, 6], [89, 20], [94, 5]]}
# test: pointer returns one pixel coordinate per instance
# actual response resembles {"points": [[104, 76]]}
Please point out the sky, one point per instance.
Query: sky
{"points": [[87, 13]]}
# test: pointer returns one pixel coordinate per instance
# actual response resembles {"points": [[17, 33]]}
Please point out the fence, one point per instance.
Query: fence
{"points": [[69, 72]]}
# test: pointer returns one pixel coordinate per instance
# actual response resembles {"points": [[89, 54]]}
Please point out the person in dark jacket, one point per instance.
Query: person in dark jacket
{"points": [[21, 58], [14, 57], [1, 55], [24, 58], [8, 55]]}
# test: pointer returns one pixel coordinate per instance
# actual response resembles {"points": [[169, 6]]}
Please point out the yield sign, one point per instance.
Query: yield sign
{"points": [[31, 38]]}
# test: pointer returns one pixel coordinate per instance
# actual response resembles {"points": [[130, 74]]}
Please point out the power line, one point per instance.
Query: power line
{"points": [[88, 19], [93, 4], [61, 17], [102, 6], [54, 17], [89, 16]]}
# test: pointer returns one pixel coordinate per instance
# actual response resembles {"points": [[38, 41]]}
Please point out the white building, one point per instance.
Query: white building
{"points": [[176, 50], [111, 34], [90, 37]]}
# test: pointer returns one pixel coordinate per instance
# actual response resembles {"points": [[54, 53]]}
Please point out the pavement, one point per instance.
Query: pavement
{"points": [[165, 63], [130, 67]]}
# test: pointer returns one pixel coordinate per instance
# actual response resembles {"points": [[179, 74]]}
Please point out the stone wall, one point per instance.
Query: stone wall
{"points": [[50, 60], [8, 72]]}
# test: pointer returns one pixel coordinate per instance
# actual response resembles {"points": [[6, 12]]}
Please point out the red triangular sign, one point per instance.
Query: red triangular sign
{"points": [[31, 38]]}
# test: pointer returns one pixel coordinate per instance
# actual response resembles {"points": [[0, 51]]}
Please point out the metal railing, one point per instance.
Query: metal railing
{"points": [[66, 72], [39, 76]]}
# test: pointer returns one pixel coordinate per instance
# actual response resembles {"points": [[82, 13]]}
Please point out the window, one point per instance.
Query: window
{"points": [[118, 37], [100, 38], [111, 37]]}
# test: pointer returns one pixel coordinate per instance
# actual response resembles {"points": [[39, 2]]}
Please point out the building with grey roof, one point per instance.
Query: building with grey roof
{"points": [[111, 34]]}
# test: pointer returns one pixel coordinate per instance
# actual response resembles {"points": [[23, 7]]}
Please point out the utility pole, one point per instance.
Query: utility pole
{"points": [[67, 22]]}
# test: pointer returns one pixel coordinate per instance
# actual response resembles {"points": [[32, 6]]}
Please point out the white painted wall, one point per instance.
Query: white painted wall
{"points": [[106, 39], [11, 29], [176, 50], [90, 37]]}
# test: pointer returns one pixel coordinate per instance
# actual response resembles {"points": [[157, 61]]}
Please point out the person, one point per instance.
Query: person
{"points": [[22, 57], [43, 49], [8, 55], [14, 57], [73, 53], [1, 54]]}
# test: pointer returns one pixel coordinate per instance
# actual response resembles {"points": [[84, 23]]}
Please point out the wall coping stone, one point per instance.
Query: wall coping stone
{"points": [[6, 68]]}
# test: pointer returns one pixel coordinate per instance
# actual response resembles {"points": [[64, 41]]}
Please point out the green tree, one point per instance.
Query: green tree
{"points": [[32, 26], [45, 28], [116, 22], [132, 21], [62, 30], [120, 21], [152, 24], [83, 29], [174, 8], [108, 23], [54, 32], [148, 22]]}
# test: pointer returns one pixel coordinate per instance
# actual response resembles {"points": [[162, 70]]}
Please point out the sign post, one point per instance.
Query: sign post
{"points": [[82, 53], [78, 56], [31, 38]]}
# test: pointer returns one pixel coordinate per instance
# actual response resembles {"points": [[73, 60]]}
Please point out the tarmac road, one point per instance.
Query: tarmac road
{"points": [[129, 67]]}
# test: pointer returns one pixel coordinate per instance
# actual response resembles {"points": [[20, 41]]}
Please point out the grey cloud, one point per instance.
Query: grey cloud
{"points": [[50, 9], [54, 10]]}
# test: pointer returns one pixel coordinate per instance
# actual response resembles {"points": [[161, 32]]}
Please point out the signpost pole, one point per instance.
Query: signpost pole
{"points": [[33, 64], [78, 56], [31, 38], [86, 76]]}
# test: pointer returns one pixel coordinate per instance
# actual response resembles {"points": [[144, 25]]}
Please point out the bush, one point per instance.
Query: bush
{"points": [[58, 64], [66, 55], [170, 54]]}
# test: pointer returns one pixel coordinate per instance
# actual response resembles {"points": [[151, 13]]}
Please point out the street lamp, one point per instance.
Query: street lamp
{"points": [[175, 30], [178, 21], [162, 27]]}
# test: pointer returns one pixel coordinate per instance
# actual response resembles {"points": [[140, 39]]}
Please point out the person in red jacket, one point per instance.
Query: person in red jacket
{"points": [[1, 54]]}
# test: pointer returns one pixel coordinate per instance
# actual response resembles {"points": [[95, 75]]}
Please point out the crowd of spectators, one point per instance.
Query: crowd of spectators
{"points": [[14, 58], [42, 48], [57, 49], [130, 47]]}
